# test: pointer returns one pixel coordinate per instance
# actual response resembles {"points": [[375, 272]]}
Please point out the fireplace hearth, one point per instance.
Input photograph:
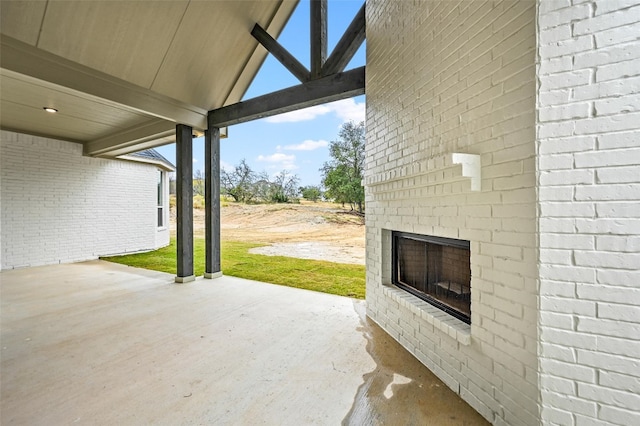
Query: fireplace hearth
{"points": [[435, 269]]}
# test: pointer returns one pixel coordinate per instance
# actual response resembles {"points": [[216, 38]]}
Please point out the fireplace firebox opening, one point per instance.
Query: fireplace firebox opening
{"points": [[435, 269]]}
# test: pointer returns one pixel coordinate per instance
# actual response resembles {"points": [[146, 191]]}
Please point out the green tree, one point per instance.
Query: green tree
{"points": [[311, 193], [343, 174], [283, 188]]}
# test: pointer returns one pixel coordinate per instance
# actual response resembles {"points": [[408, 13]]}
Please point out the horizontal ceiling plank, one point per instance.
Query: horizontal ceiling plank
{"points": [[347, 46], [36, 63], [327, 89], [280, 53], [130, 139]]}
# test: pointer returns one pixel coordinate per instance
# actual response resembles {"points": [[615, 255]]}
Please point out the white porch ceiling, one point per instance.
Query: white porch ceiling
{"points": [[123, 73]]}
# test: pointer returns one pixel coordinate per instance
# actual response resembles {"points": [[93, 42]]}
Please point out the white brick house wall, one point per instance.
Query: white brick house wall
{"points": [[58, 206], [458, 77], [589, 203]]}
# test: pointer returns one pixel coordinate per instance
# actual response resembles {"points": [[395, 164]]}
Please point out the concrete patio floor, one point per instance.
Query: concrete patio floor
{"points": [[100, 343]]}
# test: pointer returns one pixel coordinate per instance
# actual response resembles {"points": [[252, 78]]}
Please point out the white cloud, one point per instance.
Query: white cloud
{"points": [[346, 110], [307, 145], [305, 114], [226, 166], [349, 110], [279, 161], [195, 160]]}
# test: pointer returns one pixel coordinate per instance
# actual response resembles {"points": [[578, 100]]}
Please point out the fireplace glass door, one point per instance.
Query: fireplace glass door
{"points": [[437, 270]]}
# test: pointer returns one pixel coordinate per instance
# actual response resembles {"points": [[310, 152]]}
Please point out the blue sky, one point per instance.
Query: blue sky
{"points": [[296, 141]]}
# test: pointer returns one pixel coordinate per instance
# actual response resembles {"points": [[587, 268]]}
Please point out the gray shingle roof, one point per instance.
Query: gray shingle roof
{"points": [[153, 156]]}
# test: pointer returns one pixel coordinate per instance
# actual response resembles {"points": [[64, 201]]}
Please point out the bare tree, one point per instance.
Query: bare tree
{"points": [[198, 183], [239, 183]]}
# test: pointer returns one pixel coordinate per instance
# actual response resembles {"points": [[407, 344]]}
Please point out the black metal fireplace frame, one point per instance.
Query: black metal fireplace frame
{"points": [[463, 244]]}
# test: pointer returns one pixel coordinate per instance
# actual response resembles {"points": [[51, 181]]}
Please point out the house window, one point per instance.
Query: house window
{"points": [[160, 199], [434, 269]]}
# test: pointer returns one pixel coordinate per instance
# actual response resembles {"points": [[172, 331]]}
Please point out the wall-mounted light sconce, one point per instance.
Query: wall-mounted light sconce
{"points": [[49, 109]]}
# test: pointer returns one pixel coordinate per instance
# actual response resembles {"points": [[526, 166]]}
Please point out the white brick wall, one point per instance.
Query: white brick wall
{"points": [[589, 195], [442, 78], [58, 206]]}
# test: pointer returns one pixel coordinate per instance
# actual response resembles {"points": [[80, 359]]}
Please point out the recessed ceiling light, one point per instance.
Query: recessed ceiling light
{"points": [[51, 110]]}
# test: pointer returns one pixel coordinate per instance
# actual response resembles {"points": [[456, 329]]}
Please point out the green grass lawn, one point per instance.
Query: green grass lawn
{"points": [[327, 277]]}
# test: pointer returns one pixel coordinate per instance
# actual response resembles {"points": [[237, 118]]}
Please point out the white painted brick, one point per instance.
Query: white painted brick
{"points": [[557, 241], [620, 105], [622, 71], [603, 192], [605, 56], [572, 404], [582, 420], [556, 416], [568, 371], [557, 225], [618, 175], [556, 97], [557, 288], [627, 344], [564, 112], [556, 162], [618, 312], [627, 209], [567, 177], [566, 79], [619, 416], [607, 124], [567, 47], [627, 157], [618, 140], [556, 320], [556, 65], [620, 381], [617, 277], [554, 34], [556, 130], [562, 16], [613, 6], [43, 178], [557, 257], [606, 21], [599, 326], [568, 210], [609, 294], [608, 362], [615, 84], [607, 226], [618, 35], [625, 400], [570, 274]]}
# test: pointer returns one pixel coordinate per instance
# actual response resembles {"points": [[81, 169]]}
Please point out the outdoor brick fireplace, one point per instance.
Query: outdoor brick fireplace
{"points": [[450, 184], [435, 269]]}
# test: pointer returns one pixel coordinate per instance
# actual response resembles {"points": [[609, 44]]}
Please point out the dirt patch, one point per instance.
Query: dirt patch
{"points": [[321, 231], [317, 250]]}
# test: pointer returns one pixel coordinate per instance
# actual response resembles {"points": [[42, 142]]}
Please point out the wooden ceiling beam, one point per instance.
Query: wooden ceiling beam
{"points": [[280, 53], [315, 92], [318, 36], [348, 45]]}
